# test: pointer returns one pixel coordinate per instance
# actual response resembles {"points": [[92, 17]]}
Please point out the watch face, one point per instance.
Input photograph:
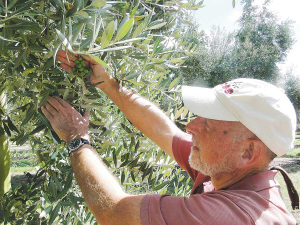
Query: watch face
{"points": [[74, 143]]}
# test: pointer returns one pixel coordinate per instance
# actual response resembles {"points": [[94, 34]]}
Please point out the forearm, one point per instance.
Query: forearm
{"points": [[146, 116], [100, 189]]}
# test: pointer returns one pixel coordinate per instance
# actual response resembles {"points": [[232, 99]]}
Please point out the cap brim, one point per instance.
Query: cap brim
{"points": [[204, 102]]}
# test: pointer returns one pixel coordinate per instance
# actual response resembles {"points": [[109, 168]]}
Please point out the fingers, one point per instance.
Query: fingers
{"points": [[62, 102], [46, 113], [50, 109], [66, 67], [64, 54], [66, 61]]}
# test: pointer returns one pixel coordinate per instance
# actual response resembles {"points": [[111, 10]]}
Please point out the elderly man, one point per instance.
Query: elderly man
{"points": [[241, 126]]}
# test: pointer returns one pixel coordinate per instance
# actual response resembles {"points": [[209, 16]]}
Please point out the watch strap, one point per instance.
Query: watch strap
{"points": [[82, 142]]}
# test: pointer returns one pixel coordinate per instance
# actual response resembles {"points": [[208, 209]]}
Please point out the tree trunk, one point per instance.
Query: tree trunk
{"points": [[5, 179]]}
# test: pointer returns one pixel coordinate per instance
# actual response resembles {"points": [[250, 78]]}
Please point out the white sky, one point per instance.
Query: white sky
{"points": [[221, 12]]}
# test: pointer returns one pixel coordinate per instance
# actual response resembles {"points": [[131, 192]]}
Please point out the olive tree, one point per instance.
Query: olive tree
{"points": [[138, 42]]}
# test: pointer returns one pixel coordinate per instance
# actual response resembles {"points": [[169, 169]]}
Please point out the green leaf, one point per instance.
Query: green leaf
{"points": [[54, 213], [156, 43], [46, 211], [23, 8], [156, 26], [98, 3], [115, 158], [122, 177], [28, 117], [64, 40], [5, 39], [52, 188], [12, 4], [131, 76], [82, 13], [138, 30], [20, 59], [11, 126], [173, 83], [124, 29], [28, 71], [179, 112], [107, 34], [55, 137], [57, 182], [25, 26], [6, 129], [44, 120], [98, 60], [127, 129], [38, 129], [67, 186], [176, 60], [2, 132], [233, 3], [160, 186]]}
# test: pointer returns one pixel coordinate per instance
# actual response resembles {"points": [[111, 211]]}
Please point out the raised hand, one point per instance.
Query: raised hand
{"points": [[68, 62]]}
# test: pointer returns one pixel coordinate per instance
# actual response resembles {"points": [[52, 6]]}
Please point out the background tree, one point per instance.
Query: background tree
{"points": [[291, 85], [136, 41], [253, 51]]}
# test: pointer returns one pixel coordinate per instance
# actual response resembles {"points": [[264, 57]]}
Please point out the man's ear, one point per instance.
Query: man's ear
{"points": [[250, 152]]}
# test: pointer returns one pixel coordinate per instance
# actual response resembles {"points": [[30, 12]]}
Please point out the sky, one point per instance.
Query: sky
{"points": [[221, 12]]}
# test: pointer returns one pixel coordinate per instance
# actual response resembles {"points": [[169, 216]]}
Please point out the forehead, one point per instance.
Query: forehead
{"points": [[225, 124]]}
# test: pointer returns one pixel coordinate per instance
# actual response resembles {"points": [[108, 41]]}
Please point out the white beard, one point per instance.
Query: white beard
{"points": [[224, 165]]}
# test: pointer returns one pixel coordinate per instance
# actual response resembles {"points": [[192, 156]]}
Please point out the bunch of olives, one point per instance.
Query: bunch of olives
{"points": [[79, 68]]}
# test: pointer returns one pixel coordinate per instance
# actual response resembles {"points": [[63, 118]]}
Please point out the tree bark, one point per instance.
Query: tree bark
{"points": [[5, 176]]}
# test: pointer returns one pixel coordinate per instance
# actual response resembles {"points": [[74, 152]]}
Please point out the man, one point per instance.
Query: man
{"points": [[241, 126]]}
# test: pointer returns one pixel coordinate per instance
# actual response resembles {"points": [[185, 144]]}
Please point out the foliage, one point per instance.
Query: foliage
{"points": [[262, 42], [137, 41], [291, 85], [252, 51]]}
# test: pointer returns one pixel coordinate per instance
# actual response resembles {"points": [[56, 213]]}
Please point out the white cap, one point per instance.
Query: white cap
{"points": [[263, 108]]}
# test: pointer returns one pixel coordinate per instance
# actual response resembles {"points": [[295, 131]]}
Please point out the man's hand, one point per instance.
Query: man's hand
{"points": [[65, 120], [99, 72]]}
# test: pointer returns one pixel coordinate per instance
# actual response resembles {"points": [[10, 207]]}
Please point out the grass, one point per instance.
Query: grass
{"points": [[295, 177], [22, 161], [294, 153]]}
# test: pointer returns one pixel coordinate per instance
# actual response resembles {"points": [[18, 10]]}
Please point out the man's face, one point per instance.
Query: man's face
{"points": [[215, 145]]}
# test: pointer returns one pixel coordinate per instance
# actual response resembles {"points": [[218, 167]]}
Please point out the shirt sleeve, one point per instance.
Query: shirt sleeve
{"points": [[181, 146], [200, 209]]}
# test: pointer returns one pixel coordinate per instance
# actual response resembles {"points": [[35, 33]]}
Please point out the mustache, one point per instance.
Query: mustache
{"points": [[196, 142]]}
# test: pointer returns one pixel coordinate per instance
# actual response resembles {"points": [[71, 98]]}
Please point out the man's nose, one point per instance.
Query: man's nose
{"points": [[195, 125]]}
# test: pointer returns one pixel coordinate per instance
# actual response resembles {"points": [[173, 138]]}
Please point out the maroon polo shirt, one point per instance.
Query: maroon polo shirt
{"points": [[253, 200]]}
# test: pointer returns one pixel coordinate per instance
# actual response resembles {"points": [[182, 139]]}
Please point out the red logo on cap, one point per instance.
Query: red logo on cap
{"points": [[227, 87]]}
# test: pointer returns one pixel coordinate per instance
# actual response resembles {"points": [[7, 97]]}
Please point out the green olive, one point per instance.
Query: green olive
{"points": [[81, 74], [82, 63], [74, 69], [78, 66], [81, 69], [86, 71], [79, 59]]}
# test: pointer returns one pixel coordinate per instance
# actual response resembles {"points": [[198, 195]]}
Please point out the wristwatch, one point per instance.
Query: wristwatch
{"points": [[76, 143]]}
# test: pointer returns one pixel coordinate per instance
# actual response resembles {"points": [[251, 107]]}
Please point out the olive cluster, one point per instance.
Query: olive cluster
{"points": [[79, 68]]}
